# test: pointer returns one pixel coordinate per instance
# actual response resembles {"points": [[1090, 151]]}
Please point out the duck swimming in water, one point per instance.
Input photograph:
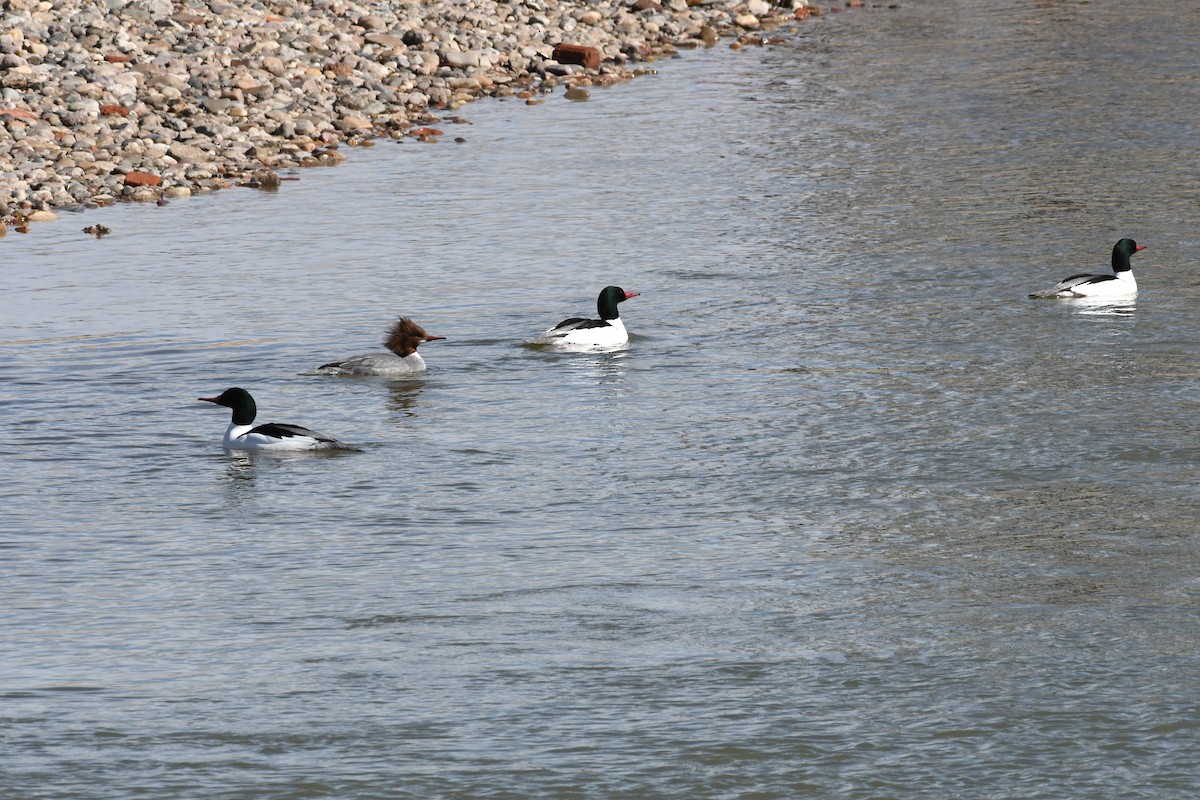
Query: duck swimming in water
{"points": [[1118, 285], [243, 435], [403, 339], [608, 331]]}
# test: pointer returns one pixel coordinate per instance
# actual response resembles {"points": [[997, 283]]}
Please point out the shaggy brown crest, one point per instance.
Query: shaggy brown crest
{"points": [[405, 336]]}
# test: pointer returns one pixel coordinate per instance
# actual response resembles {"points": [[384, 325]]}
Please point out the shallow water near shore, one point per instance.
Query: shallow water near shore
{"points": [[850, 517]]}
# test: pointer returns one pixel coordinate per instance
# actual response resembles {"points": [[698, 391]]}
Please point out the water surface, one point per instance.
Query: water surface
{"points": [[850, 517]]}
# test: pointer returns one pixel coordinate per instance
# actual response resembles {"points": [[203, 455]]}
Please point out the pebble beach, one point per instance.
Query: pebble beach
{"points": [[145, 100]]}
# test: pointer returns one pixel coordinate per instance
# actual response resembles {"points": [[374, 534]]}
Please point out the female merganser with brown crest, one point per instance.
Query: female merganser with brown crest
{"points": [[243, 435], [403, 340], [607, 331], [1119, 284]]}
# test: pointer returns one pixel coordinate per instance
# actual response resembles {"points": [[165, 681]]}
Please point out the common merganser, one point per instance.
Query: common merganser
{"points": [[607, 331], [242, 435], [403, 340], [1119, 284]]}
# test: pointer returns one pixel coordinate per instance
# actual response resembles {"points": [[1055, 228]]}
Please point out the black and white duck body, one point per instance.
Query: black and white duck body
{"points": [[243, 434], [606, 332], [1120, 285]]}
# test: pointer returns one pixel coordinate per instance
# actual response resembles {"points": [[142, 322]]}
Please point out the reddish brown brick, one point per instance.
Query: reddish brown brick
{"points": [[588, 57], [141, 179]]}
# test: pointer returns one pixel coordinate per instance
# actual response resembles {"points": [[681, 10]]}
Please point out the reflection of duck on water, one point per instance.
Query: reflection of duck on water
{"points": [[404, 395], [1105, 307]]}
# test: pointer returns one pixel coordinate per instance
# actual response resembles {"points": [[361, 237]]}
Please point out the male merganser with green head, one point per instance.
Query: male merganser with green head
{"points": [[608, 331], [1118, 285], [243, 435]]}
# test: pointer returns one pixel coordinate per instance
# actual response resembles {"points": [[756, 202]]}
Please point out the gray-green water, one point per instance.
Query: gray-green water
{"points": [[852, 517]]}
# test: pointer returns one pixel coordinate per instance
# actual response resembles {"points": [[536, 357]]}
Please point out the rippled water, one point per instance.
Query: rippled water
{"points": [[851, 517]]}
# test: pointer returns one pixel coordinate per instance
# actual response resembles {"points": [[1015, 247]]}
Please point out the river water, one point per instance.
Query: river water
{"points": [[851, 517]]}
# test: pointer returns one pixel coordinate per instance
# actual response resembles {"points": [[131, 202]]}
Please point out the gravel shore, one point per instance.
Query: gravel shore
{"points": [[145, 99]]}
